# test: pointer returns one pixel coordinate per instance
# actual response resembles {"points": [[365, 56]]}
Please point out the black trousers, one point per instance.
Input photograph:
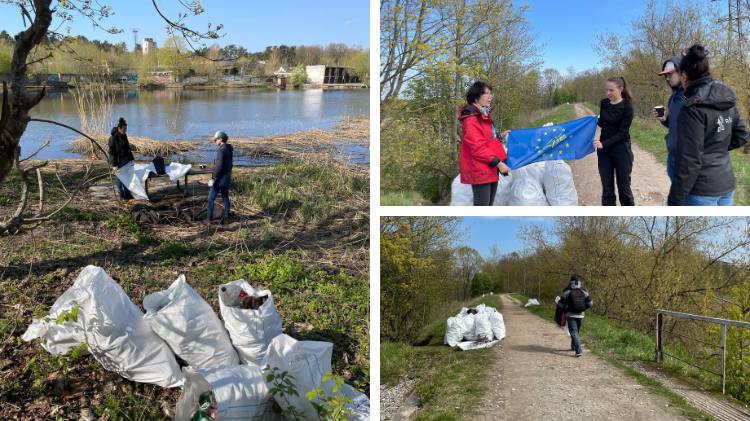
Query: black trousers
{"points": [[616, 162], [484, 194]]}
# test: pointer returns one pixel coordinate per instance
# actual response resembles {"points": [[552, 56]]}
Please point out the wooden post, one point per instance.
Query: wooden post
{"points": [[723, 357], [184, 193], [659, 339]]}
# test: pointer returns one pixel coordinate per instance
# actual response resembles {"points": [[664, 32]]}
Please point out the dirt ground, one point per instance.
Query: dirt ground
{"points": [[649, 180], [536, 377]]}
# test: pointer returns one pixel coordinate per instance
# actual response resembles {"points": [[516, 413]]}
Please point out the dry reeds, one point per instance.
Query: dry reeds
{"points": [[142, 146]]}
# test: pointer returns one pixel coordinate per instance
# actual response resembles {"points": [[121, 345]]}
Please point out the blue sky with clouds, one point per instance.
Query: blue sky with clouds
{"points": [[251, 24]]}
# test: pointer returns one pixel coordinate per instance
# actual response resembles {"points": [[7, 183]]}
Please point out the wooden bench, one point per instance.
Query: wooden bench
{"points": [[193, 171]]}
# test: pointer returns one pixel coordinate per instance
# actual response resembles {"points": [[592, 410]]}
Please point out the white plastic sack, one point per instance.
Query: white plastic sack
{"points": [[186, 322], [504, 183], [466, 346], [483, 325], [468, 327], [240, 393], [534, 171], [527, 192], [498, 325], [308, 362], [175, 170], [128, 176], [558, 184], [461, 194], [251, 331], [532, 302], [454, 332], [114, 329]]}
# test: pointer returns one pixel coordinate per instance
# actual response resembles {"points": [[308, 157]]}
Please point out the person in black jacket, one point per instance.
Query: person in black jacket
{"points": [[613, 150], [709, 126], [221, 177], [120, 154], [574, 312]]}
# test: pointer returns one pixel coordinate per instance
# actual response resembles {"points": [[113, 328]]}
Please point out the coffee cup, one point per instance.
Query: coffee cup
{"points": [[659, 110]]}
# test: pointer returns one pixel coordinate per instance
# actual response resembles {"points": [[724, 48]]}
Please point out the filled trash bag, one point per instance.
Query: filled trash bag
{"points": [[502, 197], [309, 362], [558, 184], [454, 332], [113, 329], [185, 321], [534, 171], [461, 194], [479, 324], [483, 326], [532, 302], [527, 191], [132, 179], [498, 324], [237, 392], [251, 330]]}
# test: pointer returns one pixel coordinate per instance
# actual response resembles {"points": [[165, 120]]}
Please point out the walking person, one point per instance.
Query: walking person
{"points": [[221, 178], [613, 150], [671, 72], [482, 153], [575, 300], [120, 154], [709, 126]]}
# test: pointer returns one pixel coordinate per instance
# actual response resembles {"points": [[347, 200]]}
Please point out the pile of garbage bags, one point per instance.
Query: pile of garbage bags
{"points": [[474, 328], [224, 378], [548, 183]]}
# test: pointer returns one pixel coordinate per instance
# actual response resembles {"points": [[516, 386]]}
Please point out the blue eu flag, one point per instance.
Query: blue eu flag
{"points": [[571, 140]]}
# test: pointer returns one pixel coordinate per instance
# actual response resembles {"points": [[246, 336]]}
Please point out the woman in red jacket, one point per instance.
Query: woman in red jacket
{"points": [[482, 153]]}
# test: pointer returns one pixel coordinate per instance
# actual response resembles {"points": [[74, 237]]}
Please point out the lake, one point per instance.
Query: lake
{"points": [[195, 115]]}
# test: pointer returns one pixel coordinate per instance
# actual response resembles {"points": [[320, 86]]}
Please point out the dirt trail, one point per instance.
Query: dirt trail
{"points": [[649, 180], [536, 377]]}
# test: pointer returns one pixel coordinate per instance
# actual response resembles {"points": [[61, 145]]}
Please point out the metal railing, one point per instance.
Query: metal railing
{"points": [[723, 322]]}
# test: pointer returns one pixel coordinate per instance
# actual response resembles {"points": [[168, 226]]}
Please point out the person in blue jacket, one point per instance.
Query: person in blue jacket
{"points": [[221, 178], [671, 72]]}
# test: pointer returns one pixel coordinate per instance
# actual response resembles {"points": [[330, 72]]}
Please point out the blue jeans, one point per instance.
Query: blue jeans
{"points": [[574, 327], [220, 185], [670, 166], [726, 200], [121, 189]]}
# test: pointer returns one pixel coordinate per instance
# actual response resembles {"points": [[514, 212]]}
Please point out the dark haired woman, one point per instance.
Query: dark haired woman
{"points": [[614, 153], [708, 127], [120, 154], [482, 153]]}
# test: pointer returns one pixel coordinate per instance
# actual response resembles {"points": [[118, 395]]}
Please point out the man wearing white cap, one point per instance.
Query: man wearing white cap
{"points": [[221, 177], [671, 72]]}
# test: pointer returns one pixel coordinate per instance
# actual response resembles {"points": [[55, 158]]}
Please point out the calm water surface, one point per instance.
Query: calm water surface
{"points": [[195, 115]]}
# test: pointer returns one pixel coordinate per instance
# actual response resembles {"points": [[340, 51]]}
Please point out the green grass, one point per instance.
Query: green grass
{"points": [[446, 377], [563, 114], [616, 344], [592, 107], [401, 198]]}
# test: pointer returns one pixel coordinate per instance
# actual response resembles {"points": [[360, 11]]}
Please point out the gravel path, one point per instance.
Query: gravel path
{"points": [[649, 180], [536, 377]]}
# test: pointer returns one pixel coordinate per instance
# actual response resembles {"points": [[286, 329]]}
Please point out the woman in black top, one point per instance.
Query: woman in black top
{"points": [[613, 150]]}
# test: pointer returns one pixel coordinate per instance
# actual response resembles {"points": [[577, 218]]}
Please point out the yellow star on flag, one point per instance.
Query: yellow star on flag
{"points": [[537, 147], [539, 151], [545, 133], [567, 145], [563, 129], [554, 130], [539, 140], [561, 152]]}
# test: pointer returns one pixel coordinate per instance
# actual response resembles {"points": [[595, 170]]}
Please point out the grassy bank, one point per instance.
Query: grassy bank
{"points": [[563, 114], [401, 198], [448, 380], [618, 344], [649, 134], [300, 230]]}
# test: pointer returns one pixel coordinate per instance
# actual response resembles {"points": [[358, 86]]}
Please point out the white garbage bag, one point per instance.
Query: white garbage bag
{"points": [[504, 183], [466, 346], [532, 302], [527, 192], [534, 171], [113, 329], [240, 393], [251, 331], [461, 194], [309, 362], [558, 184], [454, 332], [175, 170], [498, 325], [186, 322], [128, 176], [483, 325], [468, 327]]}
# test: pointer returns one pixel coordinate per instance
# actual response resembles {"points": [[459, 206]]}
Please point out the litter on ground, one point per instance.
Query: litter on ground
{"points": [[532, 302], [475, 328]]}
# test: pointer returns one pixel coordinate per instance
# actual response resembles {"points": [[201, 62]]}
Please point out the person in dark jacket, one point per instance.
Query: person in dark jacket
{"points": [[482, 153], [671, 72], [221, 177], [573, 318], [709, 126], [120, 154], [614, 153]]}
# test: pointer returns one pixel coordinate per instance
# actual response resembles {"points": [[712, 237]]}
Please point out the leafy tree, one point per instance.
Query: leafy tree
{"points": [[175, 56], [4, 62], [360, 66], [481, 284], [299, 76]]}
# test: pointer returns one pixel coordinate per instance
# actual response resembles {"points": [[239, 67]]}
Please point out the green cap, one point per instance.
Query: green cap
{"points": [[219, 135]]}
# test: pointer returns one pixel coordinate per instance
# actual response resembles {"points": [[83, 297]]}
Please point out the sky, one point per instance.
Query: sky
{"points": [[569, 28], [253, 25], [486, 231]]}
